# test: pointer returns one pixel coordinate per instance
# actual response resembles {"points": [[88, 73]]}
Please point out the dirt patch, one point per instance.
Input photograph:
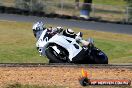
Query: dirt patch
{"points": [[60, 76]]}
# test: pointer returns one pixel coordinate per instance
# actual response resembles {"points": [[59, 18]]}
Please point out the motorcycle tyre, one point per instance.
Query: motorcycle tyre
{"points": [[52, 58], [105, 61]]}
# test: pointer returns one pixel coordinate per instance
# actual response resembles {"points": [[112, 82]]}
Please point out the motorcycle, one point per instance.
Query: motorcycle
{"points": [[62, 49]]}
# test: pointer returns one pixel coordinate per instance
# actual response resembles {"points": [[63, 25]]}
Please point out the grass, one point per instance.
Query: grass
{"points": [[17, 44], [110, 2]]}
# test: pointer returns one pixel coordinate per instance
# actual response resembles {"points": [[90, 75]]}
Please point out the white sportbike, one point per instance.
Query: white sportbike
{"points": [[61, 49]]}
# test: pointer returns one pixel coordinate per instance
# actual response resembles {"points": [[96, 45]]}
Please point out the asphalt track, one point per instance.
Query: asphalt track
{"points": [[89, 25]]}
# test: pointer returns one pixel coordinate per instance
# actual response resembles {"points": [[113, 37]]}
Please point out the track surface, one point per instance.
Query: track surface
{"points": [[60, 75], [107, 27]]}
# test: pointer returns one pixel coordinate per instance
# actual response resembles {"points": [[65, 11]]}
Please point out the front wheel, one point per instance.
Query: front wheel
{"points": [[52, 57]]}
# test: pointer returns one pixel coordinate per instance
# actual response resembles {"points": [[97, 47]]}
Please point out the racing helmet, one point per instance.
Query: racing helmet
{"points": [[38, 26]]}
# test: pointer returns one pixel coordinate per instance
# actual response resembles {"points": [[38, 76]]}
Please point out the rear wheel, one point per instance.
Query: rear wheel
{"points": [[101, 59], [99, 56]]}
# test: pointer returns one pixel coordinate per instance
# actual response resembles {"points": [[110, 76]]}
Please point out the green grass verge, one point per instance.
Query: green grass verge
{"points": [[17, 44], [110, 2], [105, 2]]}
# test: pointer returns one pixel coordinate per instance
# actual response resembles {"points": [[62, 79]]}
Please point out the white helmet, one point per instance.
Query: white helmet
{"points": [[38, 26]]}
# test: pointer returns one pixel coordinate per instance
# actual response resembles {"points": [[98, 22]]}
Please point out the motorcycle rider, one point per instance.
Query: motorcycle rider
{"points": [[70, 33], [39, 27]]}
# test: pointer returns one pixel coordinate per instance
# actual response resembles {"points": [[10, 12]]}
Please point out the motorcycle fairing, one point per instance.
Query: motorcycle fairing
{"points": [[42, 41], [68, 43]]}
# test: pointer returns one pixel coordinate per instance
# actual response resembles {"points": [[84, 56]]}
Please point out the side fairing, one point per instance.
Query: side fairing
{"points": [[69, 44], [43, 39]]}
